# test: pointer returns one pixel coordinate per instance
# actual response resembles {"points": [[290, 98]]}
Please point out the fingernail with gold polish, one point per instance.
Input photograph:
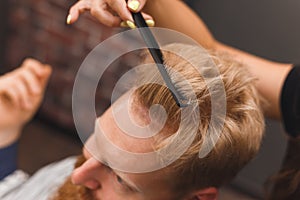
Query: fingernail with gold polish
{"points": [[123, 24], [133, 5], [130, 24], [150, 22], [69, 18]]}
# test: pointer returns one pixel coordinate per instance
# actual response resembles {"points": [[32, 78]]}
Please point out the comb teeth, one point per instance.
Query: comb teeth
{"points": [[157, 56]]}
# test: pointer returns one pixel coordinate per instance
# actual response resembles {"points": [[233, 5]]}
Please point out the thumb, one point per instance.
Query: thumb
{"points": [[136, 5], [44, 77]]}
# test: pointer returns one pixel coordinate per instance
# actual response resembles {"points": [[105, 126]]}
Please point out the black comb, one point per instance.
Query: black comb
{"points": [[157, 56]]}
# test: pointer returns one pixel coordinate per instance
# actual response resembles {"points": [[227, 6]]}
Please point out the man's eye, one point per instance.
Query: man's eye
{"points": [[124, 185], [120, 180]]}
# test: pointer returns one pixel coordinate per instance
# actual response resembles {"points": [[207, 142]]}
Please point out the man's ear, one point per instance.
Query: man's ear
{"points": [[205, 194]]}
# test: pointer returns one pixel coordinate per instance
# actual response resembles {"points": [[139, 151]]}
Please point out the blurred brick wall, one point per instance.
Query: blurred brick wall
{"points": [[3, 28], [37, 29]]}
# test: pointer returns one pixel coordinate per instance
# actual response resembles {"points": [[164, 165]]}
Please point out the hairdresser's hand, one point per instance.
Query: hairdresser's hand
{"points": [[21, 92], [111, 13]]}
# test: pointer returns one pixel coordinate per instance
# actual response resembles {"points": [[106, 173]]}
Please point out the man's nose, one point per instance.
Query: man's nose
{"points": [[86, 174]]}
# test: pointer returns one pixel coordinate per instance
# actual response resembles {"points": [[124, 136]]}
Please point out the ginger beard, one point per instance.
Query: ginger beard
{"points": [[69, 191]]}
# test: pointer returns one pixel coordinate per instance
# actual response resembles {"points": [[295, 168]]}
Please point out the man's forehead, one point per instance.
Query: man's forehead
{"points": [[130, 106], [129, 122], [109, 126], [118, 126]]}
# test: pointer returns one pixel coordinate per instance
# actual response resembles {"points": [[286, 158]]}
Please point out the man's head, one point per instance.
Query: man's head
{"points": [[188, 177]]}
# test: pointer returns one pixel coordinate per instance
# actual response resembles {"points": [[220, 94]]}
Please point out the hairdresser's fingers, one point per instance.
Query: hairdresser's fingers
{"points": [[149, 20], [136, 5], [104, 14], [77, 9], [147, 16], [120, 7]]}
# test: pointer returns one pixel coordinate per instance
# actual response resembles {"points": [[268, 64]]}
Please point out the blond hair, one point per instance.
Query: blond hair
{"points": [[243, 126]]}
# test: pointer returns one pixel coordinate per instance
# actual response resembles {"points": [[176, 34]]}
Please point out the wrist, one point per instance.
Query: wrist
{"points": [[9, 136]]}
